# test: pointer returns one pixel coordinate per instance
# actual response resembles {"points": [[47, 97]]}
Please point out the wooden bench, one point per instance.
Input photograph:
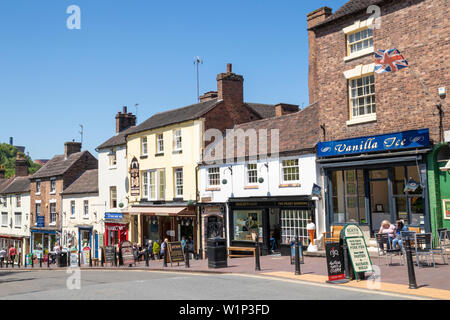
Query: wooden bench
{"points": [[242, 249]]}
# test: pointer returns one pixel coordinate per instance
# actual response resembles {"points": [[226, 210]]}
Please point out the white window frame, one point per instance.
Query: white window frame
{"points": [[247, 173], [16, 215], [282, 167], [154, 189], [18, 201], [111, 188], [85, 208], [210, 176], [112, 156], [160, 143], [5, 214], [178, 186], [72, 208], [359, 26], [52, 222], [370, 86], [144, 146], [4, 202], [38, 187], [177, 140], [53, 186], [145, 186]]}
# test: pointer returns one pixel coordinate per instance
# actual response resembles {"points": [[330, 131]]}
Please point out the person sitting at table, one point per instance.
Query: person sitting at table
{"points": [[398, 241], [389, 229]]}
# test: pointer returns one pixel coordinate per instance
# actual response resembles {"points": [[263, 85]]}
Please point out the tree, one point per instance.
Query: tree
{"points": [[8, 155]]}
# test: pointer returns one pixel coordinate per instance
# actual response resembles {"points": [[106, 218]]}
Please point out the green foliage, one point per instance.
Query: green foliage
{"points": [[8, 156]]}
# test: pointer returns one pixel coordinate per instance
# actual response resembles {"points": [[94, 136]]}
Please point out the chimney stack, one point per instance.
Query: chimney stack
{"points": [[313, 19], [2, 172], [21, 165], [284, 108], [11, 141], [210, 95], [71, 148], [124, 120], [230, 87]]}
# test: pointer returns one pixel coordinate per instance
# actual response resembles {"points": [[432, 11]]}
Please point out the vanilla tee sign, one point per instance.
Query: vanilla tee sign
{"points": [[357, 249]]}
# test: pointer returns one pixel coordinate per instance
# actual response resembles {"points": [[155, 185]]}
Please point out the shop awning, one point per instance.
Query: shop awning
{"points": [[160, 211]]}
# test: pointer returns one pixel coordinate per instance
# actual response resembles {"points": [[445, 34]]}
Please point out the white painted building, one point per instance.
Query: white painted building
{"points": [[259, 195]]}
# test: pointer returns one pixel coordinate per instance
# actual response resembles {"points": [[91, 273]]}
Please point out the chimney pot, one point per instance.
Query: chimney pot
{"points": [[229, 68], [124, 120], [71, 148]]}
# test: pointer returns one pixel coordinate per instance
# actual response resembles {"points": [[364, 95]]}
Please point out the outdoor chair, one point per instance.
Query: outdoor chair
{"points": [[424, 247], [385, 247], [444, 244], [334, 235]]}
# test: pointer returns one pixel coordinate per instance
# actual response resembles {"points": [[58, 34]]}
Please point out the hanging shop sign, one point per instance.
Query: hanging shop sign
{"points": [[127, 253], [357, 248], [446, 208], [386, 142], [135, 184], [335, 262], [176, 254]]}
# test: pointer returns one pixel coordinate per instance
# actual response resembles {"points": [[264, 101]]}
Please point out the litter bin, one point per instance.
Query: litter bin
{"points": [[217, 253], [62, 259]]}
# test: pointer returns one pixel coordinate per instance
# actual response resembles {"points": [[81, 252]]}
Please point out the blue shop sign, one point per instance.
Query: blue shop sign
{"points": [[40, 222], [113, 215], [386, 142]]}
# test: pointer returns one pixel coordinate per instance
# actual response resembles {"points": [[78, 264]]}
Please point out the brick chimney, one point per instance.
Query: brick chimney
{"points": [[314, 18], [71, 148], [21, 165], [124, 120], [284, 108], [230, 87], [2, 172], [210, 95]]}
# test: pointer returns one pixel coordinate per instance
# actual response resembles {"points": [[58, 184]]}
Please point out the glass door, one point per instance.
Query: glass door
{"points": [[379, 198]]}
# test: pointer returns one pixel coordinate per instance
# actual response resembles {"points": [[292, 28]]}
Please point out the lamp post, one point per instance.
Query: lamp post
{"points": [[297, 256], [257, 260]]}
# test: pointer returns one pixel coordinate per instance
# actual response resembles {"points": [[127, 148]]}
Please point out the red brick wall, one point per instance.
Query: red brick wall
{"points": [[420, 29]]}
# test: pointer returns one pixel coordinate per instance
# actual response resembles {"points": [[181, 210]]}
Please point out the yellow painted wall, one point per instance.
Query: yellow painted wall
{"points": [[192, 146]]}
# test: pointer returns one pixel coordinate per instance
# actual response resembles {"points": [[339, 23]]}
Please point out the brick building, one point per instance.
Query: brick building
{"points": [[46, 187], [363, 183]]}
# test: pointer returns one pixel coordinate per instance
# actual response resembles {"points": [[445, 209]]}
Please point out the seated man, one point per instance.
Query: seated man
{"points": [[397, 243]]}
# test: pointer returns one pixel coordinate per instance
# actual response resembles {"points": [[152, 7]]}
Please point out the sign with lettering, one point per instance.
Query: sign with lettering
{"points": [[176, 252], [335, 261], [386, 142], [446, 207], [40, 222], [135, 184], [74, 259], [126, 249], [110, 254], [357, 248], [85, 256], [113, 215]]}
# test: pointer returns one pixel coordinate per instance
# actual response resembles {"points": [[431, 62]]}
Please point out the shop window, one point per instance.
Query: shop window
{"points": [[247, 225], [293, 222]]}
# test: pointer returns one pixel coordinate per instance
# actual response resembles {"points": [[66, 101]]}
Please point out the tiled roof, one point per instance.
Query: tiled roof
{"points": [[3, 184], [117, 140], [262, 110], [58, 165], [351, 7], [17, 185], [298, 132], [166, 118], [86, 183]]}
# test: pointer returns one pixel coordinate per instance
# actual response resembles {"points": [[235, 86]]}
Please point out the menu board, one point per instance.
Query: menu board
{"points": [[335, 261], [357, 249], [126, 249], [85, 256], [110, 254], [446, 207], [175, 252], [74, 259]]}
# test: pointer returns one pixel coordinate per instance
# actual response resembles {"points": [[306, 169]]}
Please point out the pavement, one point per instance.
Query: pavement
{"points": [[433, 282]]}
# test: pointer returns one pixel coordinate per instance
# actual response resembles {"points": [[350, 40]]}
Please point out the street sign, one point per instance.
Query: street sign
{"points": [[335, 262], [357, 248]]}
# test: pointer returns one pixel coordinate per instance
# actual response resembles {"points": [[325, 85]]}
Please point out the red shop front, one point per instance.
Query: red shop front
{"points": [[115, 233]]}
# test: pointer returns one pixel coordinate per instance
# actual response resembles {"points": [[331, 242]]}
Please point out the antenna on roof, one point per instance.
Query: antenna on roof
{"points": [[81, 133], [197, 61]]}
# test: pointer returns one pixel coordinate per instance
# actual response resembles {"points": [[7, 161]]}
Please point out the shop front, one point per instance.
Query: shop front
{"points": [[116, 228], [43, 241], [371, 179], [159, 222], [266, 218], [20, 243]]}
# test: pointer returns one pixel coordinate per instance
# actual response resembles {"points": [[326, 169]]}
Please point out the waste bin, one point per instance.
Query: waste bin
{"points": [[217, 253], [62, 259]]}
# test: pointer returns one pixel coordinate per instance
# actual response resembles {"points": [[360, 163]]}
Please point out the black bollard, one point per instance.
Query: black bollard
{"points": [[79, 260], [18, 263], [187, 257], [409, 261], [40, 261], [146, 258], [12, 263], [297, 257], [257, 260], [32, 261], [48, 260], [1, 264], [90, 258]]}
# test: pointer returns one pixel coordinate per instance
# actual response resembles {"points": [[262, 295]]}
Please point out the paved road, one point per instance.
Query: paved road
{"points": [[141, 285]]}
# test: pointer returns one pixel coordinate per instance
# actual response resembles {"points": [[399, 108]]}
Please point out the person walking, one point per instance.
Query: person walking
{"points": [[3, 254], [12, 253]]}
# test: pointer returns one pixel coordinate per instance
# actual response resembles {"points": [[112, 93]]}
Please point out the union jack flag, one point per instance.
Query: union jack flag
{"points": [[389, 61]]}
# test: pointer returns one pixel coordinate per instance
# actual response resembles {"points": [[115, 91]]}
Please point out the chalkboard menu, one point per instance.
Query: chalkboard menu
{"points": [[175, 252], [126, 249], [110, 254], [335, 261], [357, 249]]}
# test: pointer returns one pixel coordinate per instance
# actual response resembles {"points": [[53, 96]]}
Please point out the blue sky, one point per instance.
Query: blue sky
{"points": [[139, 51]]}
